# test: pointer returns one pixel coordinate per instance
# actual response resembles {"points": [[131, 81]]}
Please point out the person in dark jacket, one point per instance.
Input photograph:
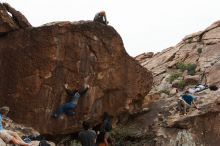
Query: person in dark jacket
{"points": [[101, 18], [104, 137], [87, 137], [68, 107]]}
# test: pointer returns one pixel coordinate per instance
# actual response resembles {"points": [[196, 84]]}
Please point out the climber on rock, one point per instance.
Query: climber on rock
{"points": [[186, 101], [101, 18], [68, 108], [9, 136]]}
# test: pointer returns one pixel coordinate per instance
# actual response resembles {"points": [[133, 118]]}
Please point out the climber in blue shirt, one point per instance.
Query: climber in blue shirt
{"points": [[68, 107], [186, 101]]}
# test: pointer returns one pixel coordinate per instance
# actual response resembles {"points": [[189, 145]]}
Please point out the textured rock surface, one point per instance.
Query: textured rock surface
{"points": [[17, 16], [11, 22], [6, 22], [36, 62]]}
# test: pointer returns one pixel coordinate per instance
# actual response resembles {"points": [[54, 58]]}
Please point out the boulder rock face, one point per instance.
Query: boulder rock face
{"points": [[36, 63]]}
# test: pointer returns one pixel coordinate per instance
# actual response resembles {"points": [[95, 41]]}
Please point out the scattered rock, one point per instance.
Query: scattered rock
{"points": [[173, 91], [192, 80]]}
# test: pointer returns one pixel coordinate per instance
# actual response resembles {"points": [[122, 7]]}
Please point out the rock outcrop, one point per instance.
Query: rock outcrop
{"points": [[192, 61], [10, 19], [36, 62], [17, 16]]}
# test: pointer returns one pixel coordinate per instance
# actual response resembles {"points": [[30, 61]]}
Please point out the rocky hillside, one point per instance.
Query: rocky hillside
{"points": [[36, 62], [195, 60], [201, 49]]}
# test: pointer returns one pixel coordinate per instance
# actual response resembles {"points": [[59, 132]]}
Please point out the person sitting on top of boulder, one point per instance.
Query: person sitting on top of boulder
{"points": [[185, 102], [101, 18], [9, 136], [68, 108]]}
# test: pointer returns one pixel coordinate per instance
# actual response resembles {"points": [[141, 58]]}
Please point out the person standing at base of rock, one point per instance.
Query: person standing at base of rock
{"points": [[87, 137], [68, 108], [186, 101], [101, 18], [104, 137], [9, 136]]}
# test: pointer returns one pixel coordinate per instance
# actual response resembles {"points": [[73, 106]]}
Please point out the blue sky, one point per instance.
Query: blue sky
{"points": [[144, 25]]}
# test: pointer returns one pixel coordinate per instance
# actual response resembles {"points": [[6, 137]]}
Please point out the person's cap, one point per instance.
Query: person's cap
{"points": [[4, 108]]}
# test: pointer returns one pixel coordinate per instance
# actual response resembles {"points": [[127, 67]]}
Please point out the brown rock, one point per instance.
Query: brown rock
{"points": [[36, 62], [174, 91], [17, 16], [144, 56], [175, 84], [6, 22], [163, 57], [2, 143], [192, 80]]}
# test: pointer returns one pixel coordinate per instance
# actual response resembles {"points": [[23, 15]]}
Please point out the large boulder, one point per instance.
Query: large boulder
{"points": [[36, 63]]}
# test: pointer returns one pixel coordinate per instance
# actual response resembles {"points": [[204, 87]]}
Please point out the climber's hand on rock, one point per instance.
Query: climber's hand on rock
{"points": [[66, 85], [87, 86]]}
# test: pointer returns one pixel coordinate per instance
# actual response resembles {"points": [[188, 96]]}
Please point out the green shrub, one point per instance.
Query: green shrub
{"points": [[181, 84], [191, 68], [120, 133], [199, 50], [174, 77], [165, 91], [74, 143], [181, 66]]}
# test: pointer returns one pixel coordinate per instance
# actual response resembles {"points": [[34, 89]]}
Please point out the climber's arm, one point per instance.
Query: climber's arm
{"points": [[83, 90]]}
